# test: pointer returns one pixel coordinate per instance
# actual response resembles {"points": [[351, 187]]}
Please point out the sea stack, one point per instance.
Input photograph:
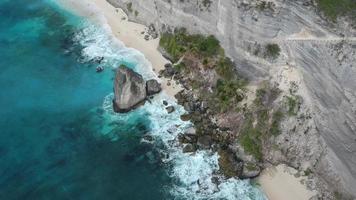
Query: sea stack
{"points": [[129, 90]]}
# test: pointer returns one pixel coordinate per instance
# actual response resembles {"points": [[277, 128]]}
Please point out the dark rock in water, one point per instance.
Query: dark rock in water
{"points": [[98, 59], [129, 90], [183, 138], [204, 142], [188, 148], [170, 109], [99, 69], [165, 103], [147, 138], [153, 87]]}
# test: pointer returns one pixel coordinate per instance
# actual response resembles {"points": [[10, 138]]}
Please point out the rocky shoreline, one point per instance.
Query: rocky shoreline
{"points": [[244, 129], [206, 133]]}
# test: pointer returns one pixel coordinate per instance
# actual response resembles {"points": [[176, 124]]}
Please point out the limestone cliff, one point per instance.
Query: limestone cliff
{"points": [[316, 55]]}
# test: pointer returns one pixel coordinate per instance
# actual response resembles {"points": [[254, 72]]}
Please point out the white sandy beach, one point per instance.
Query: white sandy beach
{"points": [[279, 183], [129, 33]]}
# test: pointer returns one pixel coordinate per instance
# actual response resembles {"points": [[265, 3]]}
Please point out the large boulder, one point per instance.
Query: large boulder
{"points": [[153, 87], [129, 90]]}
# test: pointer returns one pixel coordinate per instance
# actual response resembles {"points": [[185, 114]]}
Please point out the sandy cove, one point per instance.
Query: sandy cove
{"points": [[278, 182], [129, 33]]}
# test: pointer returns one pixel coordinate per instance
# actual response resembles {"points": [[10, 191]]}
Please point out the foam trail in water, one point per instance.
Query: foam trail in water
{"points": [[192, 172]]}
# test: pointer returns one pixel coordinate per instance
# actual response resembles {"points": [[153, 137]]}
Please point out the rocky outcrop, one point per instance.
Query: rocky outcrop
{"points": [[131, 90], [153, 87], [324, 56]]}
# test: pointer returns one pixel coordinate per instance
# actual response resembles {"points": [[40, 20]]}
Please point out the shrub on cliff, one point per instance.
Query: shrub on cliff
{"points": [[230, 93], [225, 68], [179, 42], [272, 51]]}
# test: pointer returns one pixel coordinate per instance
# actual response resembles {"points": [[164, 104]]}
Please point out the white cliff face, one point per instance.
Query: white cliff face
{"points": [[324, 56]]}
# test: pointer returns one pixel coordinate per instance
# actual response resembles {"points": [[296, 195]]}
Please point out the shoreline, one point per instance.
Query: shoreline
{"points": [[276, 182], [280, 183], [129, 33]]}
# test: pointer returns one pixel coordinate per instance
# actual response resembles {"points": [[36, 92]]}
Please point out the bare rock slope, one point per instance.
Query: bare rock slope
{"points": [[320, 55]]}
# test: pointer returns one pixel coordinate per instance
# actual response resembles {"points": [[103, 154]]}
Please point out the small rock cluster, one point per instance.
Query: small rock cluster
{"points": [[151, 33]]}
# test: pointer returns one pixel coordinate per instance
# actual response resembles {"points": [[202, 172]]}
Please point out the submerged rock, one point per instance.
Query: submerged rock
{"points": [[153, 87], [188, 148], [170, 109], [129, 90]]}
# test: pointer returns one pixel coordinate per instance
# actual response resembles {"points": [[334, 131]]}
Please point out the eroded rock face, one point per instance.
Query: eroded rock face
{"points": [[129, 90]]}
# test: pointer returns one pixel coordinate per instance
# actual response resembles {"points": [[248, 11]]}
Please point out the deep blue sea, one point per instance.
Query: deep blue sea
{"points": [[59, 138]]}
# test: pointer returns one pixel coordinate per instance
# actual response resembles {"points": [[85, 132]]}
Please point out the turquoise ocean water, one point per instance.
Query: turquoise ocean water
{"points": [[59, 138]]}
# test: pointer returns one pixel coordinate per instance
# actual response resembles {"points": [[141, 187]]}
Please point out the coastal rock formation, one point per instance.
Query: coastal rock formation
{"points": [[129, 90], [324, 135], [153, 87]]}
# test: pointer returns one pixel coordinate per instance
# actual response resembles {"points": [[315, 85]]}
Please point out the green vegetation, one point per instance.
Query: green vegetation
{"points": [[136, 13], [250, 139], [261, 122], [334, 8], [229, 93], [265, 5], [276, 120], [129, 7], [307, 172], [272, 51], [223, 90], [207, 3], [226, 68], [292, 102], [180, 42]]}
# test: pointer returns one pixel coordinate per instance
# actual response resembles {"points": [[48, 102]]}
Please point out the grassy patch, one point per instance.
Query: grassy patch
{"points": [[229, 93], [334, 8], [250, 139], [276, 120], [292, 103], [225, 68]]}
